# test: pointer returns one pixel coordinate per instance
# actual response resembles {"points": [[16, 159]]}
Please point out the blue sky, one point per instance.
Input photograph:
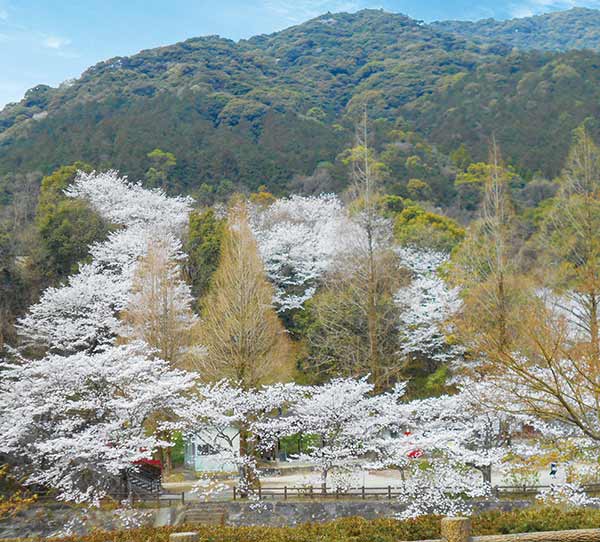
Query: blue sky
{"points": [[49, 41]]}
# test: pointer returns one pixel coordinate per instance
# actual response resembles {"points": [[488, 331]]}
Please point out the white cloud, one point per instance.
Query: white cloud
{"points": [[55, 42], [521, 11], [527, 8], [301, 10]]}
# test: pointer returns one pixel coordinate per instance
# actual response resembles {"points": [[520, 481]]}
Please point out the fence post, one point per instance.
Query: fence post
{"points": [[183, 497], [363, 492], [184, 537], [285, 493], [259, 492], [389, 493], [456, 529], [234, 493]]}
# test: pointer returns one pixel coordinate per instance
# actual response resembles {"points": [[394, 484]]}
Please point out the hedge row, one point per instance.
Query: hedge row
{"points": [[361, 530]]}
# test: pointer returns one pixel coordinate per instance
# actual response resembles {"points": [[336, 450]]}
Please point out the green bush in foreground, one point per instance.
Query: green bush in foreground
{"points": [[361, 530]]}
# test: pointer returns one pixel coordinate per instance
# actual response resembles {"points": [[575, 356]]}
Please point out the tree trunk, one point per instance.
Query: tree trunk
{"points": [[372, 316], [487, 473], [248, 478]]}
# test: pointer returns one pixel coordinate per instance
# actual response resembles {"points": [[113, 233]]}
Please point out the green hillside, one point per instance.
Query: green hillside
{"points": [[577, 28], [530, 102], [277, 108], [235, 114]]}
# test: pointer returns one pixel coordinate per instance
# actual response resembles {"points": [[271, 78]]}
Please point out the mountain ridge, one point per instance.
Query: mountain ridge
{"points": [[306, 80], [263, 111], [575, 28]]}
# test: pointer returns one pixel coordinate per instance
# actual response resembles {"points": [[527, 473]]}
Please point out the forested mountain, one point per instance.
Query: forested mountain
{"points": [[278, 110], [268, 110], [576, 28], [249, 113], [531, 102]]}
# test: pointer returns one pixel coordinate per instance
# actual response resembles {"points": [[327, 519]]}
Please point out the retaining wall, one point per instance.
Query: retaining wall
{"points": [[48, 520]]}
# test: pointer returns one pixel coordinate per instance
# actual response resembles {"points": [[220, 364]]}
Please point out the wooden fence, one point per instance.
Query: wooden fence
{"points": [[459, 530], [319, 492], [386, 492]]}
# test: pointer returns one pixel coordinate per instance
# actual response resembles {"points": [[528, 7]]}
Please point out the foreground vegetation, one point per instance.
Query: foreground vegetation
{"points": [[361, 530]]}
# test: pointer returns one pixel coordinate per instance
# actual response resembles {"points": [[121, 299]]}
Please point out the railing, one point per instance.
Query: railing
{"points": [[146, 479], [386, 492], [319, 492], [459, 530], [160, 499], [499, 491]]}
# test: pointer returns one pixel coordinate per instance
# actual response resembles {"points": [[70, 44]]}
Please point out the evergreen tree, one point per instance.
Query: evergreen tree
{"points": [[203, 248]]}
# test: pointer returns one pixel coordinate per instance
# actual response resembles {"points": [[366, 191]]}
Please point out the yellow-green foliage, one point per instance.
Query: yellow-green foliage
{"points": [[361, 530], [416, 226]]}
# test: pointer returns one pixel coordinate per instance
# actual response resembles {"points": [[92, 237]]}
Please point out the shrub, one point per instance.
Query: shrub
{"points": [[362, 530]]}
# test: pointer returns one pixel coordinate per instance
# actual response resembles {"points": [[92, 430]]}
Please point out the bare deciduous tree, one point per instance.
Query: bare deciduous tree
{"points": [[356, 331], [244, 339], [541, 337], [159, 311], [486, 268]]}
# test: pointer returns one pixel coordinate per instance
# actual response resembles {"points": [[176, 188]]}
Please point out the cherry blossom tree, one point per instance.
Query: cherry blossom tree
{"points": [[298, 238], [348, 419], [83, 314], [439, 487], [427, 304], [77, 417], [77, 421], [128, 204], [446, 447], [80, 316], [235, 423], [462, 428]]}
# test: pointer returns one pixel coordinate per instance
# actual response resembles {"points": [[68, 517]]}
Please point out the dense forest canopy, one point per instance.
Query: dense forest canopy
{"points": [[576, 28], [271, 109]]}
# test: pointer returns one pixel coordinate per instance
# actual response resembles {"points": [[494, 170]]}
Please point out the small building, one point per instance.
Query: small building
{"points": [[209, 452]]}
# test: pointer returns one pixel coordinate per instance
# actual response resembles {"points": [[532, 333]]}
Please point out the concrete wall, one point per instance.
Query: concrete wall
{"points": [[45, 521], [281, 513], [42, 521]]}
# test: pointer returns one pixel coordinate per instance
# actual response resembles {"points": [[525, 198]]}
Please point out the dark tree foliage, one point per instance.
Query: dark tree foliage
{"points": [[12, 288], [66, 227], [204, 250]]}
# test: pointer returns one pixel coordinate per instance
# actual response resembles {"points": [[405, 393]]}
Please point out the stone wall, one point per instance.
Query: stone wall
{"points": [[281, 513], [52, 519], [41, 521]]}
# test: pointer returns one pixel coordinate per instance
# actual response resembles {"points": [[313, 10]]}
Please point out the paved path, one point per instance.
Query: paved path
{"points": [[381, 478]]}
